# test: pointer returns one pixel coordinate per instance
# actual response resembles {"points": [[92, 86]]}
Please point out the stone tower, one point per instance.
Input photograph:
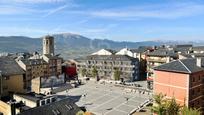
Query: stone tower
{"points": [[48, 45]]}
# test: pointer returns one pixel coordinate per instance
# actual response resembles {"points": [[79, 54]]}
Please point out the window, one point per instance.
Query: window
{"points": [[48, 101], [53, 99], [193, 79], [193, 92], [43, 102], [6, 77]]}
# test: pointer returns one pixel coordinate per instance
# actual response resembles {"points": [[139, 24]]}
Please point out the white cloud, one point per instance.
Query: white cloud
{"points": [[9, 10], [166, 11], [52, 11], [32, 1]]}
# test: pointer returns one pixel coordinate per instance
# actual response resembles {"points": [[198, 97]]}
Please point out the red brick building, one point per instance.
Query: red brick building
{"points": [[182, 79]]}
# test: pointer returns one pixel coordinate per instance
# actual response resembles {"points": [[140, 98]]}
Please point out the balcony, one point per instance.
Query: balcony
{"points": [[157, 60]]}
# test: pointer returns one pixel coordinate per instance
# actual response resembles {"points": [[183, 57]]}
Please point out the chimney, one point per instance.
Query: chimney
{"points": [[198, 62], [168, 59]]}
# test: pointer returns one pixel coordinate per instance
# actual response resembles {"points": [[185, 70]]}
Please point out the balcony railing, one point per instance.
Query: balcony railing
{"points": [[157, 60]]}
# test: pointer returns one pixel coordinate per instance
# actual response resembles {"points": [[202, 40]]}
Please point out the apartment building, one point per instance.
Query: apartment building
{"points": [[12, 77], [182, 79], [140, 54], [32, 99], [107, 64], [54, 64], [156, 58], [183, 48], [33, 68], [198, 49]]}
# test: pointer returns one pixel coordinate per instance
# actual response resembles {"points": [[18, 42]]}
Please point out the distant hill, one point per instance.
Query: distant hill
{"points": [[69, 45]]}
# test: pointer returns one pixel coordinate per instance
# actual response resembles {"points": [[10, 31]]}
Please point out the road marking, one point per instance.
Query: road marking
{"points": [[120, 105], [106, 102], [95, 94]]}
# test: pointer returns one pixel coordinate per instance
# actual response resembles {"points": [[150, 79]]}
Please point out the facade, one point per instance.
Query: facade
{"points": [[38, 67], [48, 45], [34, 68], [185, 48], [198, 49], [54, 64], [69, 70], [156, 58], [183, 80], [7, 108], [137, 53], [107, 64], [33, 99], [11, 77], [129, 52]]}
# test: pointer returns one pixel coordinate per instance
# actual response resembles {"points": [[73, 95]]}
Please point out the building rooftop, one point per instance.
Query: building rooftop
{"points": [[32, 96], [162, 53], [186, 55], [109, 57], [182, 48], [182, 66], [62, 107], [184, 45], [51, 56], [8, 66], [198, 48], [33, 61], [112, 51]]}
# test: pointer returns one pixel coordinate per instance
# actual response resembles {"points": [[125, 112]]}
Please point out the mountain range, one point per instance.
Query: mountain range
{"points": [[73, 45]]}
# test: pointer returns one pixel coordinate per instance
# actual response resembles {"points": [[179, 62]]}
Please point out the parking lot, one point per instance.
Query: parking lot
{"points": [[105, 99]]}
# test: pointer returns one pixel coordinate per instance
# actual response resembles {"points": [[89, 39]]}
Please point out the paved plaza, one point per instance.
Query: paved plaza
{"points": [[105, 99]]}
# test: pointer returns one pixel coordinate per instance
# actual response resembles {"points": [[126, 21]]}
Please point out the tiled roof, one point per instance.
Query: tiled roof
{"points": [[8, 66], [62, 107], [162, 53], [198, 48], [197, 54], [183, 66], [110, 57], [184, 45], [139, 50], [52, 57], [33, 61], [112, 51]]}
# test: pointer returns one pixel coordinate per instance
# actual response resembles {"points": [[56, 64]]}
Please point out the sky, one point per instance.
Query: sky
{"points": [[119, 20]]}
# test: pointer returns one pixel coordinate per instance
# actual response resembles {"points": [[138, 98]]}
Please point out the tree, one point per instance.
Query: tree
{"points": [[164, 106], [83, 72], [190, 111], [94, 72], [80, 113], [159, 104], [117, 74], [171, 107]]}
